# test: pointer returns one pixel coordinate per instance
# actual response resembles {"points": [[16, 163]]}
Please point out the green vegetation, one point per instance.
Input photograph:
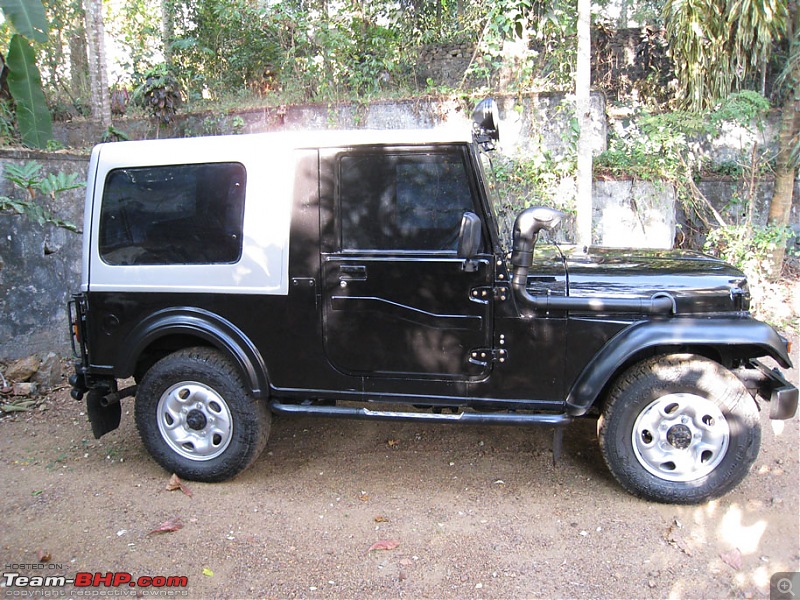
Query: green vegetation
{"points": [[159, 94], [722, 45], [112, 134], [244, 51], [749, 247], [28, 23], [669, 146], [31, 185], [674, 148]]}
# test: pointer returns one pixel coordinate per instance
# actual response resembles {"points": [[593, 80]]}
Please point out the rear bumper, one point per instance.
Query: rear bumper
{"points": [[771, 385]]}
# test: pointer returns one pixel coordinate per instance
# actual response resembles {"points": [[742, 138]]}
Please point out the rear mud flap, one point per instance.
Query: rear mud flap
{"points": [[103, 418]]}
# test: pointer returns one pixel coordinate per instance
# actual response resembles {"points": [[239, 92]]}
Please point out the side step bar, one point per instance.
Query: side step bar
{"points": [[496, 418]]}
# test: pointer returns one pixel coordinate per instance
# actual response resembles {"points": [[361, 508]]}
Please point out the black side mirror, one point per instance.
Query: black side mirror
{"points": [[469, 235], [485, 123], [469, 238]]}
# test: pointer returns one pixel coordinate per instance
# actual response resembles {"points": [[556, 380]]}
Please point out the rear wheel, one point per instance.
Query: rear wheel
{"points": [[679, 429], [197, 418]]}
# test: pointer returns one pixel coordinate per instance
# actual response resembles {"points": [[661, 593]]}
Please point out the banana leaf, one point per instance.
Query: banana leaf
{"points": [[25, 85], [27, 17]]}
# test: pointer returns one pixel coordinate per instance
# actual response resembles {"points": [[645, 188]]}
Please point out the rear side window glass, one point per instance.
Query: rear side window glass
{"points": [[175, 214]]}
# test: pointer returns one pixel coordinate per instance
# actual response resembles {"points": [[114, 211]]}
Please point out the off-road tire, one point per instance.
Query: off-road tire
{"points": [[197, 418], [653, 454]]}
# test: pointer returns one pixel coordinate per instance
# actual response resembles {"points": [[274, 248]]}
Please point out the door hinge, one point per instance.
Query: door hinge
{"points": [[501, 292], [483, 356], [484, 293]]}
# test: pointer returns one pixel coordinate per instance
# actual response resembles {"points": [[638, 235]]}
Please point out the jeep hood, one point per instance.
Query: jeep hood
{"points": [[697, 282]]}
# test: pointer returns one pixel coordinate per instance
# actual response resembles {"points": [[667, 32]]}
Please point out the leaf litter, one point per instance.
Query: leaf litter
{"points": [[175, 483], [384, 545], [167, 526]]}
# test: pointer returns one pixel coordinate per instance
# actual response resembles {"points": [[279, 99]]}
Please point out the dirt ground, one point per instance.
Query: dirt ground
{"points": [[475, 513]]}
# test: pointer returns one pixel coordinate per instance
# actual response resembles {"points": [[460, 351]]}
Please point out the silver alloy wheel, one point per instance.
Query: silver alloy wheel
{"points": [[681, 437], [194, 420]]}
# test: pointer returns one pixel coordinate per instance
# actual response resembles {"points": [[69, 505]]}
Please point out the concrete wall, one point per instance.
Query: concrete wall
{"points": [[630, 213], [39, 265]]}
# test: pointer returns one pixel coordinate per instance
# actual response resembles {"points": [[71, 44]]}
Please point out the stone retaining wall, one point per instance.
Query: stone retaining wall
{"points": [[39, 264]]}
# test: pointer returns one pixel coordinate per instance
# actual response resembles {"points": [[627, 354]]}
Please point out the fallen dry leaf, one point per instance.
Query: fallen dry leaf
{"points": [[384, 545], [381, 519], [675, 539], [43, 556], [175, 483], [364, 497], [167, 526], [733, 558]]}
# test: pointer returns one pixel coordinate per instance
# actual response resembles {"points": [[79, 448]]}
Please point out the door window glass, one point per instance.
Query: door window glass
{"points": [[409, 201]]}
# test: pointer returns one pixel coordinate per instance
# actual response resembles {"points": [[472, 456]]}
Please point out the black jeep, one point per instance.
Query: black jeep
{"points": [[361, 274]]}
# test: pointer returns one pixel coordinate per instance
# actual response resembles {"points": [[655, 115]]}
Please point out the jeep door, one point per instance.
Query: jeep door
{"points": [[397, 300]]}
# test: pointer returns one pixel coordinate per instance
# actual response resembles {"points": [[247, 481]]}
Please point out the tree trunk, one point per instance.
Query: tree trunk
{"points": [[98, 74], [785, 173], [583, 109], [79, 58], [167, 28], [780, 207]]}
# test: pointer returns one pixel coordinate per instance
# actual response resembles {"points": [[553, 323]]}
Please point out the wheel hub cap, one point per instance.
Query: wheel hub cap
{"points": [[195, 421], [680, 437]]}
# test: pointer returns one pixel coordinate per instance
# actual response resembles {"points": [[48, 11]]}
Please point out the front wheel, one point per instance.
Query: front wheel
{"points": [[197, 418], [679, 429]]}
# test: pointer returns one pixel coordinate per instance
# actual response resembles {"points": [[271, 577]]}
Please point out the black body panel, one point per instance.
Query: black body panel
{"points": [[427, 326]]}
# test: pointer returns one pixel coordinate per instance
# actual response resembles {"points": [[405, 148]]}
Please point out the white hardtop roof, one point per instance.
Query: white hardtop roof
{"points": [[176, 150], [270, 161]]}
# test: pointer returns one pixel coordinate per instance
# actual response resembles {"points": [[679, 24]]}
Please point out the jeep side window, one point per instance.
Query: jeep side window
{"points": [[173, 214], [408, 201]]}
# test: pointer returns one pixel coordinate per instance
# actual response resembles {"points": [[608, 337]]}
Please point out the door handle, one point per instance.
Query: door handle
{"points": [[352, 273]]}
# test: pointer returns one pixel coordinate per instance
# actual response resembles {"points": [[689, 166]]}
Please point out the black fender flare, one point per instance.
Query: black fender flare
{"points": [[676, 332], [202, 324]]}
